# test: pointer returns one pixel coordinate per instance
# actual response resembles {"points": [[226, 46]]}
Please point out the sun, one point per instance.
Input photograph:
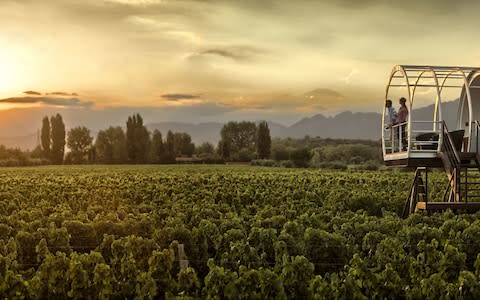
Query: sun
{"points": [[13, 68], [7, 78]]}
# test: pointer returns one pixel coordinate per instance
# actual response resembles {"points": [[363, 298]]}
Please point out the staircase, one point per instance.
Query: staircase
{"points": [[418, 191], [463, 172], [470, 182]]}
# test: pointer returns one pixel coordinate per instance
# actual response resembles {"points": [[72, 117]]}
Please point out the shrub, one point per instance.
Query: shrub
{"points": [[286, 164], [280, 153], [245, 155], [263, 162], [301, 157], [334, 165]]}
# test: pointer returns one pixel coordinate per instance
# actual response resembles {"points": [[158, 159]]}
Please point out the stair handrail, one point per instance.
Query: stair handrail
{"points": [[447, 144], [477, 130], [407, 208]]}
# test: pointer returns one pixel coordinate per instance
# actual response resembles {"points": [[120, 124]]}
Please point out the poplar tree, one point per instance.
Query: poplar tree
{"points": [[58, 139], [157, 147], [138, 140], [264, 142], [45, 137], [170, 148]]}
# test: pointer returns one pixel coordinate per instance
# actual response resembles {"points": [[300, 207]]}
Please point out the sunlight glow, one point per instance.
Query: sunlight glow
{"points": [[8, 71]]}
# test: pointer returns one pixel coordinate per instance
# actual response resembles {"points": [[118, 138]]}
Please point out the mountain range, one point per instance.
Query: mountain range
{"points": [[19, 128]]}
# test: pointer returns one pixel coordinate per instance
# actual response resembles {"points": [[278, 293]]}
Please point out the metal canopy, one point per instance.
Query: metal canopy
{"points": [[437, 78]]}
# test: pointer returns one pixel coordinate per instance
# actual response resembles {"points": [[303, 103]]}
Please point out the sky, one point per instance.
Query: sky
{"points": [[219, 60]]}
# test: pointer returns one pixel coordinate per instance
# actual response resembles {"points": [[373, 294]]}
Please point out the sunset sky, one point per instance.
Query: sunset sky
{"points": [[219, 60]]}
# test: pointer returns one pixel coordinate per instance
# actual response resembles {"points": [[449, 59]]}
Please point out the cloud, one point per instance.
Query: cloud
{"points": [[323, 93], [71, 102], [135, 2], [347, 79], [237, 53], [62, 94], [205, 109], [177, 97], [32, 93]]}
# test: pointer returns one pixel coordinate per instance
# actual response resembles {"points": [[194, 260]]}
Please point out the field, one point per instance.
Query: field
{"points": [[227, 232]]}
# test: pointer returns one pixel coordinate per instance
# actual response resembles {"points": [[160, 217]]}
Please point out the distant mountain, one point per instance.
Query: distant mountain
{"points": [[345, 125], [19, 128], [205, 132], [360, 125]]}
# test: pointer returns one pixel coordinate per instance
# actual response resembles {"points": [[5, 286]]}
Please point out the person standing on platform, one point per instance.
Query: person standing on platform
{"points": [[390, 117], [391, 114], [402, 117]]}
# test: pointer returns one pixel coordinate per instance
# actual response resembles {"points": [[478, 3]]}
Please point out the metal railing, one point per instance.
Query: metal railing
{"points": [[419, 188], [449, 147], [418, 136], [476, 126]]}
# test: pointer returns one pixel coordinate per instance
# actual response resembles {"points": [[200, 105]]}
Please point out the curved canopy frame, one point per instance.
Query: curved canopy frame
{"points": [[439, 78]]}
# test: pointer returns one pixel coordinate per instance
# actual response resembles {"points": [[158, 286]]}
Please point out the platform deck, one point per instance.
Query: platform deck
{"points": [[439, 206]]}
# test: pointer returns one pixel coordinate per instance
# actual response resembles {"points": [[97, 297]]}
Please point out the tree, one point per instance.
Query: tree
{"points": [[236, 136], [300, 157], [169, 148], [45, 137], [138, 139], [224, 149], [58, 139], [37, 152], [110, 146], [264, 142], [183, 144], [205, 148], [130, 141], [157, 147], [280, 152], [79, 141]]}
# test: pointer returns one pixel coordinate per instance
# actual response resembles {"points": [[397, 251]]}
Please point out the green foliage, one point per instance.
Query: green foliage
{"points": [[245, 155], [79, 141], [205, 148], [263, 162], [45, 137], [331, 153], [138, 140], [244, 233], [236, 136], [264, 141], [182, 144], [280, 152], [170, 155], [15, 158], [157, 147], [301, 157], [58, 139], [110, 146]]}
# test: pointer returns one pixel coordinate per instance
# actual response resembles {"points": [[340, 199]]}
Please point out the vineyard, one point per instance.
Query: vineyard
{"points": [[228, 232]]}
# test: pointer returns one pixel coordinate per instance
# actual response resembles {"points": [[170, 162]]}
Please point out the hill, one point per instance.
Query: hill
{"points": [[19, 128]]}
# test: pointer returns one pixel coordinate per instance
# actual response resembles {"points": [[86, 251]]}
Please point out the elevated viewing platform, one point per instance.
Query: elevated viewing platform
{"points": [[410, 140]]}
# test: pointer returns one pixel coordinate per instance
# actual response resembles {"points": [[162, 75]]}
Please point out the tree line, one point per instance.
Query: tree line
{"points": [[113, 145], [239, 142]]}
